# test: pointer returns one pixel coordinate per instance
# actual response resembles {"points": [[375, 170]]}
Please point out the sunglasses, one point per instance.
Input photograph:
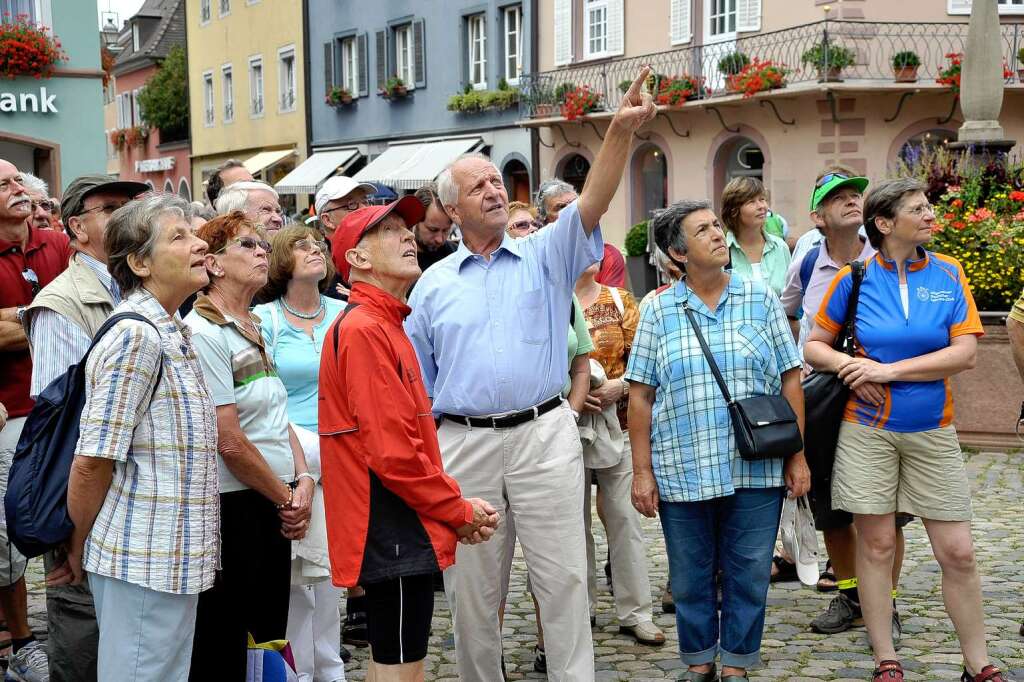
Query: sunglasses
{"points": [[825, 179], [46, 204], [33, 279], [522, 225], [308, 244], [249, 243]]}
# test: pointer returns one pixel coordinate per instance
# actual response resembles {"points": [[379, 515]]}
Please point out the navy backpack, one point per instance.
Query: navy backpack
{"points": [[36, 503]]}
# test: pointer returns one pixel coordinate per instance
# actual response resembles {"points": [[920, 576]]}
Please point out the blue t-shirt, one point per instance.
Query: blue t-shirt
{"points": [[940, 307], [297, 357]]}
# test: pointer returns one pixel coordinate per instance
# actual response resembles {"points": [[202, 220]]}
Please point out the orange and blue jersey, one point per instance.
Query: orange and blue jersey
{"points": [[941, 307]]}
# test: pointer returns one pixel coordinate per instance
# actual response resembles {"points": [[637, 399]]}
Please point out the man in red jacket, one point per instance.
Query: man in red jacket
{"points": [[393, 515]]}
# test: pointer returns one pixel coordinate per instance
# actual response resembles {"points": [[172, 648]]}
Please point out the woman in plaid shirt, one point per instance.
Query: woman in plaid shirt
{"points": [[718, 511], [143, 487]]}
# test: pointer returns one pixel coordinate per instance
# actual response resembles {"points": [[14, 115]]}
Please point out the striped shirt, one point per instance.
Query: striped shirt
{"points": [[693, 450], [57, 342], [159, 523]]}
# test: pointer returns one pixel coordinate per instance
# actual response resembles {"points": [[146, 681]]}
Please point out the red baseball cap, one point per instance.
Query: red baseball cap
{"points": [[358, 222]]}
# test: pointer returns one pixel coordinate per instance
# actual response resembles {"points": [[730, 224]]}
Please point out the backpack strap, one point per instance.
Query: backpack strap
{"points": [[107, 325], [617, 297], [807, 267]]}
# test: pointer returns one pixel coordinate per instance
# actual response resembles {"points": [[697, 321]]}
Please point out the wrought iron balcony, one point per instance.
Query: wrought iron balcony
{"points": [[863, 49]]}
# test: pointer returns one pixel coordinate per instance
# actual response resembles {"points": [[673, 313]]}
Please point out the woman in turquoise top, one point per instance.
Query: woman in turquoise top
{"points": [[294, 322], [755, 254]]}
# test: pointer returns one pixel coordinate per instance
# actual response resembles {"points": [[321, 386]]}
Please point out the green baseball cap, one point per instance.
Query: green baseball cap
{"points": [[834, 181]]}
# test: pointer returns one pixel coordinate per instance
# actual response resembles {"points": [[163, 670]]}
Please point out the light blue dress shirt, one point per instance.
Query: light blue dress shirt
{"points": [[491, 334]]}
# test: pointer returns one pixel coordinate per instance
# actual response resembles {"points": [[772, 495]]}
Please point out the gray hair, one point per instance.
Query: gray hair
{"points": [[201, 210], [134, 229], [667, 225], [35, 185], [549, 189], [883, 200], [236, 196], [447, 190]]}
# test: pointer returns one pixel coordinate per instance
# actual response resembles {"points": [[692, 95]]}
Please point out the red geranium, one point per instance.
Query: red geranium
{"points": [[1016, 195], [27, 49], [758, 76], [951, 74], [579, 102]]}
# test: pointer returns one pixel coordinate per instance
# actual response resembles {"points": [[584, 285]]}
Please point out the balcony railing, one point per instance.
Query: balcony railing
{"points": [[873, 43]]}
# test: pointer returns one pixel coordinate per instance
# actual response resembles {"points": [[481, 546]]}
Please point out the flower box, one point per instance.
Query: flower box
{"points": [[27, 49]]}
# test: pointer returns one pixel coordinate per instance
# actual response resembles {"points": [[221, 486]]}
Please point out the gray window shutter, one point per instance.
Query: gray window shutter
{"points": [[419, 53], [382, 58], [328, 66], [364, 64]]}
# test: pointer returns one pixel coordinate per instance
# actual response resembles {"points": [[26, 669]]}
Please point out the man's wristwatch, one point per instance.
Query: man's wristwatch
{"points": [[575, 415], [19, 312]]}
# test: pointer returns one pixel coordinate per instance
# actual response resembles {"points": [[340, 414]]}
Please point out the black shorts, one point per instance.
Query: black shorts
{"points": [[398, 615]]}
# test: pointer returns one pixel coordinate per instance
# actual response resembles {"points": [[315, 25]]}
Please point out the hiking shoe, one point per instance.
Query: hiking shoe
{"points": [[540, 663], [842, 614], [897, 628], [353, 630], [989, 673], [30, 664]]}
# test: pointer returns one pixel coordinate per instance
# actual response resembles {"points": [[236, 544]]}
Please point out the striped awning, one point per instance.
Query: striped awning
{"points": [[410, 165], [309, 175]]}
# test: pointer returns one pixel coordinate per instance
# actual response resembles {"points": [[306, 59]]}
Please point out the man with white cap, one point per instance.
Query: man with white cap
{"points": [[339, 196]]}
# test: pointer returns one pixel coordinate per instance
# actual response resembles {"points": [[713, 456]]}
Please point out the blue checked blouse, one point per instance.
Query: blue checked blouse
{"points": [[693, 451], [159, 524]]}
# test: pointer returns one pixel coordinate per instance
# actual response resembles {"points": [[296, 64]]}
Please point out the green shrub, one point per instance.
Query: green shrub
{"points": [[636, 240], [905, 59], [835, 57], [732, 63]]}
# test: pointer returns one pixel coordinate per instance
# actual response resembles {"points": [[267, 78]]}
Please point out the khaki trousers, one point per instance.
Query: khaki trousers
{"points": [[625, 541], [533, 475]]}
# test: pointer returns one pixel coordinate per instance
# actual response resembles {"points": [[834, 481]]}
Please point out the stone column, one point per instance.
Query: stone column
{"points": [[981, 82]]}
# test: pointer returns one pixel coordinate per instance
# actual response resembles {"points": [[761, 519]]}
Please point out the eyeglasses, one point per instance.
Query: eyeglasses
{"points": [[249, 243], [309, 244], [105, 208], [33, 279], [46, 204], [829, 177], [919, 210], [350, 206], [522, 225]]}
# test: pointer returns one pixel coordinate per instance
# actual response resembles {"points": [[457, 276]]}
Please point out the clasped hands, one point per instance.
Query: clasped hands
{"points": [[295, 517], [485, 522], [866, 378]]}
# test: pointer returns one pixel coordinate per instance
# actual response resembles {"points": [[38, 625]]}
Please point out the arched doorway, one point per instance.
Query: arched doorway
{"points": [[737, 157], [183, 190], [574, 170], [517, 180], [650, 181], [168, 187]]}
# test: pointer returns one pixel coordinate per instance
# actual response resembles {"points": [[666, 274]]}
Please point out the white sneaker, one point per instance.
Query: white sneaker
{"points": [[30, 664]]}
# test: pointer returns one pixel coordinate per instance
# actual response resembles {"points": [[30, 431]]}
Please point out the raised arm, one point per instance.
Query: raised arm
{"points": [[636, 109]]}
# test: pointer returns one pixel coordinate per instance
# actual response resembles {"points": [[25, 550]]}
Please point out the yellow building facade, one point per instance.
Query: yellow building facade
{"points": [[246, 94]]}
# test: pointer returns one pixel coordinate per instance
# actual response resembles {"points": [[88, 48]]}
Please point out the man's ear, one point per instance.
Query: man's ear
{"points": [[453, 214], [817, 219], [358, 258], [74, 223]]}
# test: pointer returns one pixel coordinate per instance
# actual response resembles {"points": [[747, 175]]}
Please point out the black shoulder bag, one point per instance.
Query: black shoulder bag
{"points": [[825, 394], [765, 425]]}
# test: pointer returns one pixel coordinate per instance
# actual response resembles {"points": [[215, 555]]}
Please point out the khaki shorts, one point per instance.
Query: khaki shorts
{"points": [[881, 472]]}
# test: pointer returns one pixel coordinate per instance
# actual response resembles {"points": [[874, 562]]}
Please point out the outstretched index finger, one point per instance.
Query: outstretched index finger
{"points": [[633, 94]]}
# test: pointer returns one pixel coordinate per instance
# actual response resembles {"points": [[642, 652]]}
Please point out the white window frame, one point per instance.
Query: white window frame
{"points": [[256, 88], [405, 58], [1006, 7], [476, 50], [513, 16], [136, 110], [350, 65], [710, 37], [205, 12], [209, 100], [227, 86], [588, 7], [287, 87], [223, 8], [135, 37], [42, 13]]}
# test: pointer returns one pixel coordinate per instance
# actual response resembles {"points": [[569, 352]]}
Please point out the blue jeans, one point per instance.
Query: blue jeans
{"points": [[734, 533]]}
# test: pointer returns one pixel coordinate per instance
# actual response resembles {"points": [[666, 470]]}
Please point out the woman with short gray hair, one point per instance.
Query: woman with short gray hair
{"points": [[143, 488], [916, 326], [548, 195], [718, 511]]}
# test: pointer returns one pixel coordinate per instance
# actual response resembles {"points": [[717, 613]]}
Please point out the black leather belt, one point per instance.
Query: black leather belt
{"points": [[507, 421]]}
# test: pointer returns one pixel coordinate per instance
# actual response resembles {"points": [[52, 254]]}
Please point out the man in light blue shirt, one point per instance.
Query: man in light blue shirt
{"points": [[489, 328]]}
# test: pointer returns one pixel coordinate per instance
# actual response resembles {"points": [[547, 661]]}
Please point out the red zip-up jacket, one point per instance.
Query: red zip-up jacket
{"points": [[391, 509]]}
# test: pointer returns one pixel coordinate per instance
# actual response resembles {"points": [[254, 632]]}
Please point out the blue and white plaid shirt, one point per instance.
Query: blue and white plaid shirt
{"points": [[693, 451]]}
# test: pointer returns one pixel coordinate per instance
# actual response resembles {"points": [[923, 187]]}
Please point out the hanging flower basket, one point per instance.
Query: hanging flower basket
{"points": [[27, 49], [117, 139]]}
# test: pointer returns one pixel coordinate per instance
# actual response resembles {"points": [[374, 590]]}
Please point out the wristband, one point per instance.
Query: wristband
{"points": [[291, 496], [305, 474]]}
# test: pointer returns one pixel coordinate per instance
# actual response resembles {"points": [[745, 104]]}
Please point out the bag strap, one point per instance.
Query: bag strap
{"points": [[847, 334], [108, 325], [707, 354], [618, 300]]}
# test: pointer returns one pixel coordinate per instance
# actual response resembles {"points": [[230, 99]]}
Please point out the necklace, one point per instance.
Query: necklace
{"points": [[305, 316]]}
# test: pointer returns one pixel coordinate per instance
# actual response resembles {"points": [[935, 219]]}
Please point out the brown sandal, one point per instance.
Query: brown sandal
{"points": [[888, 670]]}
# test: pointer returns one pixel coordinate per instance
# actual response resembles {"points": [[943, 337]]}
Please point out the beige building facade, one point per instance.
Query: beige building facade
{"points": [[246, 88], [860, 117]]}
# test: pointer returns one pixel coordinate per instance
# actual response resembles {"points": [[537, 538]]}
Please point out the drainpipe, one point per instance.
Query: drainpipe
{"points": [[534, 132]]}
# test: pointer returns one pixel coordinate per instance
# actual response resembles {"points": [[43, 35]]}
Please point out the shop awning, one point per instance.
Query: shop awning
{"points": [[409, 165], [258, 162], [311, 173]]}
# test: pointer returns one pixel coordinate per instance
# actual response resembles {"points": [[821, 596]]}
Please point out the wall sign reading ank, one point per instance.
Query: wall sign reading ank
{"points": [[25, 102]]}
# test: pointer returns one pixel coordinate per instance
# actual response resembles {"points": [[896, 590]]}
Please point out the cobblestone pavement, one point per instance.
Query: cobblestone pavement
{"points": [[790, 650]]}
